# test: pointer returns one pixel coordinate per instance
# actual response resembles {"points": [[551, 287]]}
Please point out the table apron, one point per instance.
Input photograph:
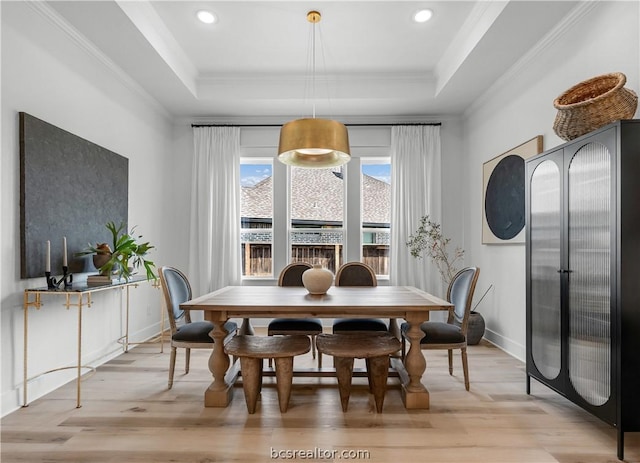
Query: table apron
{"points": [[214, 315]]}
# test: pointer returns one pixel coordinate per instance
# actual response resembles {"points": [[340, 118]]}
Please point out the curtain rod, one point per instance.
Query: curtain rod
{"points": [[280, 125]]}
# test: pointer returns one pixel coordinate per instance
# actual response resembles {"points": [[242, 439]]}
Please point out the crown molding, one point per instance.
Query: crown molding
{"points": [[547, 42], [87, 46], [279, 120], [475, 27], [280, 78], [145, 18]]}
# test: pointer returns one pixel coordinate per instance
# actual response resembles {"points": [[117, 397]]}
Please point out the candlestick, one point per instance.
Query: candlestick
{"points": [[47, 258], [51, 282], [64, 251], [67, 279]]}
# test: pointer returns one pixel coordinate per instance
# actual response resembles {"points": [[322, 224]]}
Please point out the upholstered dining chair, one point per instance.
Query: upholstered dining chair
{"points": [[185, 333], [451, 334], [357, 274], [291, 275]]}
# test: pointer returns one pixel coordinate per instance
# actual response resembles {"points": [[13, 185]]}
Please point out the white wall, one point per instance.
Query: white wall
{"points": [[50, 75], [365, 141], [597, 39]]}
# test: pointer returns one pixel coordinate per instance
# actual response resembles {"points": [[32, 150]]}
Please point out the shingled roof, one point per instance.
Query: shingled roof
{"points": [[317, 196]]}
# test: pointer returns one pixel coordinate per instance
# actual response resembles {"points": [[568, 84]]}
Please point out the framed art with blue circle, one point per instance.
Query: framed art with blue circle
{"points": [[503, 201]]}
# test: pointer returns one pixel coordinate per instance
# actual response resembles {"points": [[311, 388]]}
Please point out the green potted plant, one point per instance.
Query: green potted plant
{"points": [[124, 255]]}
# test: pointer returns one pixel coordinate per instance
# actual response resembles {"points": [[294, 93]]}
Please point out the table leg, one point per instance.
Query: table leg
{"points": [[414, 394], [246, 328], [394, 329], [218, 394], [37, 303], [25, 307], [79, 360], [125, 344]]}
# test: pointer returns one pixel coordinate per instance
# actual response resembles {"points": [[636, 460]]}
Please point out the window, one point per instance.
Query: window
{"points": [[256, 211], [326, 216], [376, 213], [316, 216]]}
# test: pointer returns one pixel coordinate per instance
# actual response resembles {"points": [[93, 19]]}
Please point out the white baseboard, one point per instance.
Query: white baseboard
{"points": [[511, 347]]}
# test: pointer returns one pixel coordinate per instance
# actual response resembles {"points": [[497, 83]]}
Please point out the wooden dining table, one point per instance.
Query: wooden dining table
{"points": [[412, 304]]}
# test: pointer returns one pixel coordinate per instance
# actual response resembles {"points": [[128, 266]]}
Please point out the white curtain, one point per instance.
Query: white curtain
{"points": [[416, 191], [214, 254]]}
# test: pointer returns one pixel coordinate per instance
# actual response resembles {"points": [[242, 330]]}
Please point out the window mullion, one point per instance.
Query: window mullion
{"points": [[281, 247], [352, 221]]}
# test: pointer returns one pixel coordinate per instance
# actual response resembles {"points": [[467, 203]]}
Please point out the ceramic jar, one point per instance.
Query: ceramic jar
{"points": [[317, 280], [475, 328], [100, 259]]}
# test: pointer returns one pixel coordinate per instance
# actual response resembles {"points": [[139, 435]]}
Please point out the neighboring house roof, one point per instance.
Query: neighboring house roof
{"points": [[257, 201], [376, 200], [318, 196]]}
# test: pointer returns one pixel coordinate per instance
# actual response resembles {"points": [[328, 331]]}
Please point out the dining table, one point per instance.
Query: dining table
{"points": [[246, 302]]}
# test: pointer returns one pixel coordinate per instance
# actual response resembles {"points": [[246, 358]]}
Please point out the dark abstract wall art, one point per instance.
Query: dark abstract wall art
{"points": [[69, 188], [503, 201]]}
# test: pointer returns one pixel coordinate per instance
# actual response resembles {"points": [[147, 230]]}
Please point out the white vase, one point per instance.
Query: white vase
{"points": [[317, 280]]}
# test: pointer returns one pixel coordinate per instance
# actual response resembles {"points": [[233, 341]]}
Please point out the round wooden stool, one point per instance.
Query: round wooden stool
{"points": [[374, 346], [252, 350]]}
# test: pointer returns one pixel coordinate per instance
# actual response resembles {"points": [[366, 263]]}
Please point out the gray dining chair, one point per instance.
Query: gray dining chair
{"points": [[451, 334], [357, 274], [291, 275], [185, 333]]}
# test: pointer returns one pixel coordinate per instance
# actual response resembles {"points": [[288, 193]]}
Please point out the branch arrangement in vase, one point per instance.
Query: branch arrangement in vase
{"points": [[429, 240]]}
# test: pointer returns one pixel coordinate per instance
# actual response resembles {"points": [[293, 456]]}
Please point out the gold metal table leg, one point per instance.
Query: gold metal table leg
{"points": [[79, 364], [25, 308]]}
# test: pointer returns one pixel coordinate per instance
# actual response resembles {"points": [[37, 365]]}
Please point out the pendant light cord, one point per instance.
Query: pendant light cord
{"points": [[313, 69]]}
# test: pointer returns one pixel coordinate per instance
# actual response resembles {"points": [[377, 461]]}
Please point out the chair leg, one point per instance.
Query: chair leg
{"points": [[378, 373], [313, 346], [187, 361], [465, 368], [404, 347], [344, 371], [270, 359], [450, 355], [251, 381], [319, 359], [284, 380], [172, 365]]}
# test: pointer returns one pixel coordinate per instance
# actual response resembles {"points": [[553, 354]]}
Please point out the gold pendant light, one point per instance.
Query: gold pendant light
{"points": [[312, 142]]}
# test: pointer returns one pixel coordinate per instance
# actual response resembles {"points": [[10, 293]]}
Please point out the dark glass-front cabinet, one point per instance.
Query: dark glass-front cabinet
{"points": [[583, 273]]}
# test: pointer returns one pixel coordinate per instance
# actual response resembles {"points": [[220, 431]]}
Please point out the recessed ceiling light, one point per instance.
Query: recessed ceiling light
{"points": [[206, 17], [423, 16]]}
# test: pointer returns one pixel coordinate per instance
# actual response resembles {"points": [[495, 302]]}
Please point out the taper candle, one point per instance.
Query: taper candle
{"points": [[47, 258], [64, 251]]}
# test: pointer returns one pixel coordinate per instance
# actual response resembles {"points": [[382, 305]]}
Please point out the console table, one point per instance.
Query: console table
{"points": [[79, 296], [124, 339]]}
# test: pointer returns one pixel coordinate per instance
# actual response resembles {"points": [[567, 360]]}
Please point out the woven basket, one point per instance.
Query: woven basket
{"points": [[592, 104]]}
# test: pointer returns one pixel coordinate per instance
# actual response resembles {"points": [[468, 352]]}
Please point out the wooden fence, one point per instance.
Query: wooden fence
{"points": [[257, 258]]}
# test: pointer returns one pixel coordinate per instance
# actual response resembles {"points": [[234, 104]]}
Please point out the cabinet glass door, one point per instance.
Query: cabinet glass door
{"points": [[545, 227], [589, 217]]}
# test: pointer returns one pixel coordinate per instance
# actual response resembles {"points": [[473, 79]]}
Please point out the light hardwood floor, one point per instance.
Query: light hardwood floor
{"points": [[129, 416]]}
